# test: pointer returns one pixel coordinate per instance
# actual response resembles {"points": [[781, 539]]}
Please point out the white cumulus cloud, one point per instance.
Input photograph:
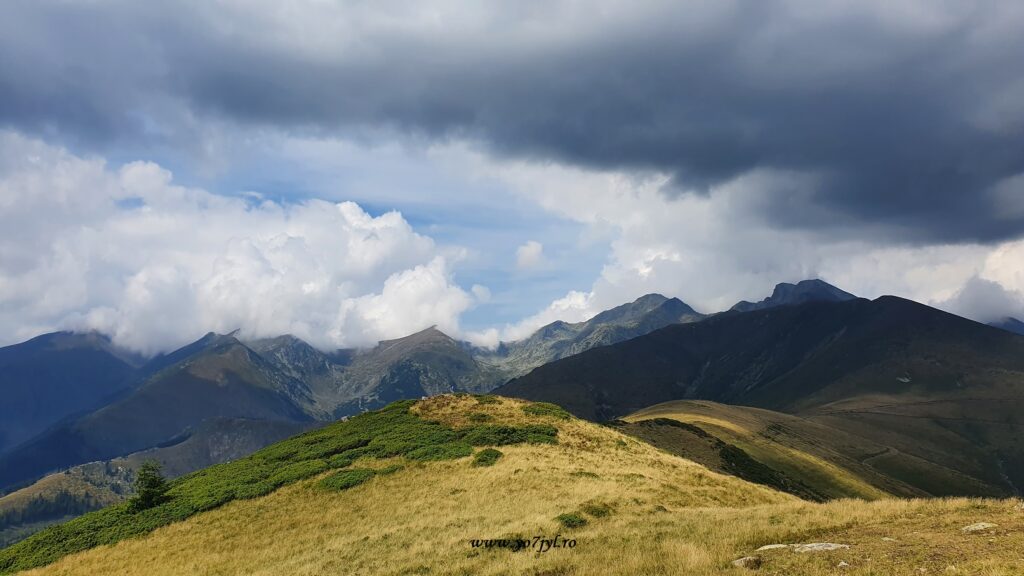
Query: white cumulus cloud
{"points": [[130, 253], [530, 255]]}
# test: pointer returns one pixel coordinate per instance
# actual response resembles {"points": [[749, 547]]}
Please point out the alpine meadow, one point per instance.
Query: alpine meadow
{"points": [[336, 288]]}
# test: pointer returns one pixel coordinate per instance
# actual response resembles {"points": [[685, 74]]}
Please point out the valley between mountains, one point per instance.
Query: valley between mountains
{"points": [[660, 439]]}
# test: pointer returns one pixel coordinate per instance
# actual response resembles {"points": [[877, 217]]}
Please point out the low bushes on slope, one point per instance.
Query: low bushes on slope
{"points": [[389, 432]]}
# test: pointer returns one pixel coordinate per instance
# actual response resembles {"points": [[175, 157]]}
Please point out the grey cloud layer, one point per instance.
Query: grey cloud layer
{"points": [[905, 117]]}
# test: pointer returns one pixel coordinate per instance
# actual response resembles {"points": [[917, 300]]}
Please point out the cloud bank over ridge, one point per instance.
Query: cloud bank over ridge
{"points": [[127, 252]]}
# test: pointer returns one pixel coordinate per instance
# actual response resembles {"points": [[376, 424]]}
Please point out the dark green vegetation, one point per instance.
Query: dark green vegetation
{"points": [[941, 396], [487, 457], [546, 409], [494, 435], [391, 432], [572, 520], [448, 451], [150, 487]]}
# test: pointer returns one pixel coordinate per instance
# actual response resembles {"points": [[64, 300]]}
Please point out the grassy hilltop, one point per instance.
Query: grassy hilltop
{"points": [[406, 489]]}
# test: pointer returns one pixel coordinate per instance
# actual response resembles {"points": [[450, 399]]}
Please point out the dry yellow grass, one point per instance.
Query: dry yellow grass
{"points": [[670, 516]]}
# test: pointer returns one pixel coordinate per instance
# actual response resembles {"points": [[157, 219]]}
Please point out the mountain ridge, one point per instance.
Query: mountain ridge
{"points": [[786, 294], [925, 382]]}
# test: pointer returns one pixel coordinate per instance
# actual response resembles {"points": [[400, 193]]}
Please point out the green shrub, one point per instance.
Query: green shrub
{"points": [[389, 469], [340, 461], [487, 457], [294, 472], [571, 520], [480, 418], [487, 399], [150, 487], [583, 474], [450, 451], [345, 479], [546, 409]]}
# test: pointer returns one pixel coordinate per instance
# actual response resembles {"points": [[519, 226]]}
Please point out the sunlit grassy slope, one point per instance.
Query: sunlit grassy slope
{"points": [[635, 510], [830, 462]]}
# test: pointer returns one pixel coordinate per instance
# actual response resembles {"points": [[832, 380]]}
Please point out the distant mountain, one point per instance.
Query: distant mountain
{"points": [[1010, 325], [561, 339], [430, 362], [924, 382], [422, 364], [92, 486], [54, 376], [219, 378], [286, 379], [322, 373], [789, 294]]}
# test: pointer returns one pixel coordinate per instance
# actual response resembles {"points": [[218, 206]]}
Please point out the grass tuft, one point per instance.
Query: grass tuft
{"points": [[597, 509]]}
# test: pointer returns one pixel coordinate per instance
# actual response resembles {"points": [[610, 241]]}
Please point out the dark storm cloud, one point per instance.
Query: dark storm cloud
{"points": [[908, 115]]}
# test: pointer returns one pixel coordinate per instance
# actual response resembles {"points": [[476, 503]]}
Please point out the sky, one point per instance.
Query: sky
{"points": [[354, 171]]}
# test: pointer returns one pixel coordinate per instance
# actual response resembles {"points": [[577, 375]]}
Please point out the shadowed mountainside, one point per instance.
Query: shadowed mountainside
{"points": [[926, 383], [54, 376]]}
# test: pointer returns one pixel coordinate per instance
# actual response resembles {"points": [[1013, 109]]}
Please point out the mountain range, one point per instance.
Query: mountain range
{"points": [[250, 392], [74, 396], [809, 351]]}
